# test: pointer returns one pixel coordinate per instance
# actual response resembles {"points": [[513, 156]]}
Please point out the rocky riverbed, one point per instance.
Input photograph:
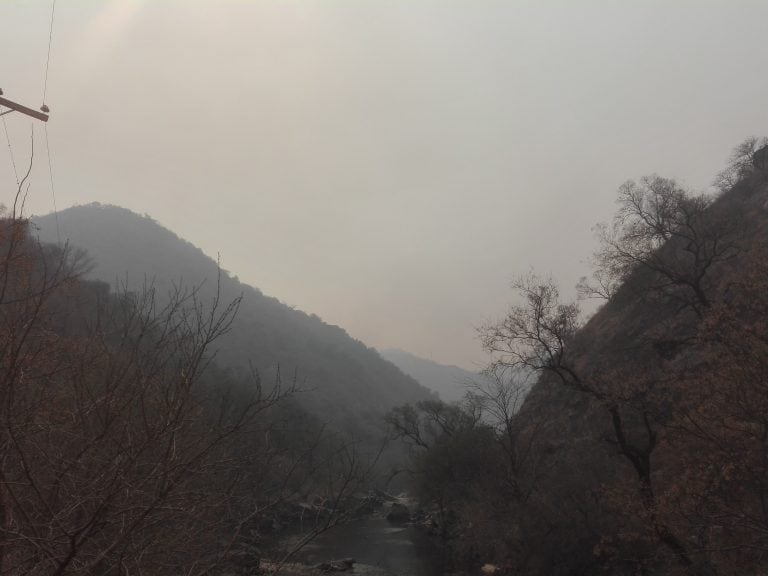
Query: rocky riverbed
{"points": [[384, 541]]}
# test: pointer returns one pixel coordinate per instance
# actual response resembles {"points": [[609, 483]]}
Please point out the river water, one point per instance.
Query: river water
{"points": [[378, 547]]}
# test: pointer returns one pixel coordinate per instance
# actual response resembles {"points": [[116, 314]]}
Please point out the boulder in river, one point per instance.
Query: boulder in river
{"points": [[336, 565], [399, 514]]}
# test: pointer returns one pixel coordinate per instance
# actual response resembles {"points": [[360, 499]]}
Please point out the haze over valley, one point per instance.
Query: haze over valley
{"points": [[389, 167], [390, 288]]}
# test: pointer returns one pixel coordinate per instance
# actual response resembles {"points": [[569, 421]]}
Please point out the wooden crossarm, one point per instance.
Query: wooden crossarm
{"points": [[23, 109]]}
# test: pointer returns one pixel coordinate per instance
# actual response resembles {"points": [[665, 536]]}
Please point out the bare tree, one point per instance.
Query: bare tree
{"points": [[124, 449], [747, 158], [660, 229], [534, 336], [498, 398], [538, 335], [420, 426]]}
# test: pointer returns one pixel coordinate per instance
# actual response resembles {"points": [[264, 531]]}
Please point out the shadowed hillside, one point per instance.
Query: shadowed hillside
{"points": [[347, 383], [651, 422], [641, 448]]}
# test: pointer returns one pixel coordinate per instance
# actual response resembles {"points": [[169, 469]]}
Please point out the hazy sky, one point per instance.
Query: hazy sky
{"points": [[389, 165]]}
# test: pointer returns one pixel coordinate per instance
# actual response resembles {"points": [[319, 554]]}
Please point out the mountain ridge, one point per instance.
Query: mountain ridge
{"points": [[347, 381], [449, 381]]}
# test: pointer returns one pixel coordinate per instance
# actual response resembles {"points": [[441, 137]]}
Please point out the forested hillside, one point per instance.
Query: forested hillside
{"points": [[125, 448], [344, 382], [642, 447]]}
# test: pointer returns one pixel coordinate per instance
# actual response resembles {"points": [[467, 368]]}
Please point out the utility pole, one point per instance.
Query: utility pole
{"points": [[16, 107]]}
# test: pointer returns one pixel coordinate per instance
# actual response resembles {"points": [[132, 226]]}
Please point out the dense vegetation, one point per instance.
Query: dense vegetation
{"points": [[642, 448], [125, 448]]}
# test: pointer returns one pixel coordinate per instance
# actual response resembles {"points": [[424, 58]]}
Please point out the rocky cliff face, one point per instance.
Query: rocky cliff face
{"points": [[656, 465]]}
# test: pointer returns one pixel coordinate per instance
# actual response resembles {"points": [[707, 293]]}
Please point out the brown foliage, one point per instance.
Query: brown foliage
{"points": [[123, 447]]}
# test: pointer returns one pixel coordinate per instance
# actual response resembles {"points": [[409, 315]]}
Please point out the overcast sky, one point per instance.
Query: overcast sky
{"points": [[389, 165]]}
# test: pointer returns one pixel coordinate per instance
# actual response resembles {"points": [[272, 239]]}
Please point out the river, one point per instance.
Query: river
{"points": [[378, 547]]}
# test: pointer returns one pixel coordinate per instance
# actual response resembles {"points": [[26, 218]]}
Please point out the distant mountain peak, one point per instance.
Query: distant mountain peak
{"points": [[450, 382]]}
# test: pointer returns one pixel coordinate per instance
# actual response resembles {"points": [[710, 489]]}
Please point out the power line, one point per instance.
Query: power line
{"points": [[48, 58], [44, 108], [10, 149], [53, 189], [15, 106]]}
